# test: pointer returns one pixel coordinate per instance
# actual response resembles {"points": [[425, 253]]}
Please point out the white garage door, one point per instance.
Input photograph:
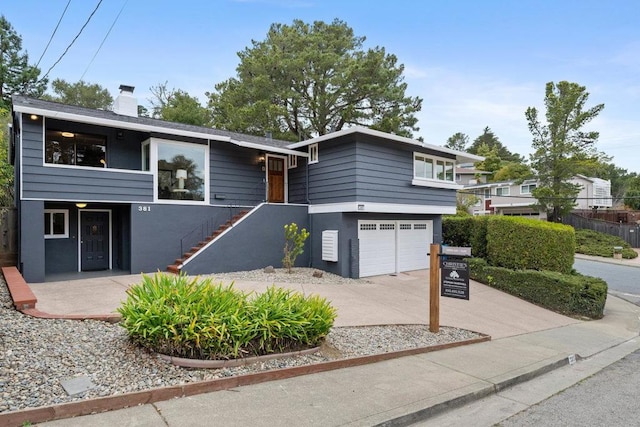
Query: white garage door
{"points": [[388, 247]]}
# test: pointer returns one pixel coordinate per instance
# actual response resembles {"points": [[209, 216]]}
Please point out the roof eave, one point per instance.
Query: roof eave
{"points": [[461, 156], [62, 115]]}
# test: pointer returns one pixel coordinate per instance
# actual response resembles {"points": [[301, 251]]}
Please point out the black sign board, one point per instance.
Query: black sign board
{"points": [[454, 278]]}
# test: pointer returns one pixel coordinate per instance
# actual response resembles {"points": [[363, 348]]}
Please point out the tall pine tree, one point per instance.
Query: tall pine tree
{"points": [[16, 75]]}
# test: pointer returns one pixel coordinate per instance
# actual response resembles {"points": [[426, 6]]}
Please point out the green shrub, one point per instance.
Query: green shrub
{"points": [[466, 231], [569, 294], [591, 242], [457, 230], [194, 318], [479, 237], [529, 244]]}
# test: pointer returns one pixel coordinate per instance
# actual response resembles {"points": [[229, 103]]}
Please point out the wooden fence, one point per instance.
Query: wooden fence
{"points": [[8, 236], [630, 233]]}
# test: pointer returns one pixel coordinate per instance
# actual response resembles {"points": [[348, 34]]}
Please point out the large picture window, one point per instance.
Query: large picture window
{"points": [[181, 171], [69, 148], [425, 167]]}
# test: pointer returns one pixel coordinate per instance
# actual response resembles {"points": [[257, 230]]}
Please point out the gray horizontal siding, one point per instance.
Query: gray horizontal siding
{"points": [[68, 183], [298, 182], [333, 178], [384, 175], [236, 175]]}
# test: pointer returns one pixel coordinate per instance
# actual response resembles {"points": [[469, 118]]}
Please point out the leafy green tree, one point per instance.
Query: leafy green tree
{"points": [[489, 139], [6, 170], [458, 141], [464, 202], [492, 161], [561, 144], [80, 93], [632, 195], [175, 105], [305, 80], [16, 75], [513, 171]]}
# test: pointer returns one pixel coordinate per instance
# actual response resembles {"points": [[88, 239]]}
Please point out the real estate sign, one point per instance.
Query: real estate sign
{"points": [[454, 278]]}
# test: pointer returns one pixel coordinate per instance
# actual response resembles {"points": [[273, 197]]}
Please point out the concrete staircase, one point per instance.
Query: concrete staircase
{"points": [[176, 266]]}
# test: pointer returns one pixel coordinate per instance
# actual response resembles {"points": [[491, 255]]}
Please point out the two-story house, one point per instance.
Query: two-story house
{"points": [[111, 191], [516, 198]]}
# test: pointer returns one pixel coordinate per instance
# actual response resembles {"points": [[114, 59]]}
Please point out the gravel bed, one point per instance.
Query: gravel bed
{"points": [[280, 275], [36, 354]]}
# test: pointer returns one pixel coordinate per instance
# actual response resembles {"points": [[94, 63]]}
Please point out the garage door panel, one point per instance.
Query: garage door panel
{"points": [[414, 238], [377, 247]]}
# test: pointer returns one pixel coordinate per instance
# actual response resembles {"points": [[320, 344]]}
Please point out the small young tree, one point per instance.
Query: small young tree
{"points": [[293, 244]]}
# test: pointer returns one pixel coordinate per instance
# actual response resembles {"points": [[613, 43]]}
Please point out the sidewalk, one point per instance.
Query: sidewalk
{"points": [[395, 392], [408, 389]]}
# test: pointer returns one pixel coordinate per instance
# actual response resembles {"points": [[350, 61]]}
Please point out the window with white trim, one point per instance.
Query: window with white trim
{"points": [[56, 223], [433, 168], [527, 188], [181, 171], [293, 161], [503, 191], [313, 153]]}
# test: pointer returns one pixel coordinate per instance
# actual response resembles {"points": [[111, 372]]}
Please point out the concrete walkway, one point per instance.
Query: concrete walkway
{"points": [[527, 341]]}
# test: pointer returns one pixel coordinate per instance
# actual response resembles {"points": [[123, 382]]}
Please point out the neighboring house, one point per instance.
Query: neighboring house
{"points": [[108, 190], [468, 175], [516, 198]]}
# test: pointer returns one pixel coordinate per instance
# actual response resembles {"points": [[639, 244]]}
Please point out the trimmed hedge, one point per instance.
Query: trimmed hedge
{"points": [[570, 294], [591, 242], [194, 318], [530, 244], [466, 231]]}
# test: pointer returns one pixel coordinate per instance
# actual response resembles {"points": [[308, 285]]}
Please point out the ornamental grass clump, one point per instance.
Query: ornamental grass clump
{"points": [[196, 318]]}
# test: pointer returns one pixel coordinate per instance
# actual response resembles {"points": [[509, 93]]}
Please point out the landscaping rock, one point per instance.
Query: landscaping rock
{"points": [[269, 269]]}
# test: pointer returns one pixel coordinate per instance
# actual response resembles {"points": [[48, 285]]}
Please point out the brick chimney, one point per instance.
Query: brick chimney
{"points": [[126, 104]]}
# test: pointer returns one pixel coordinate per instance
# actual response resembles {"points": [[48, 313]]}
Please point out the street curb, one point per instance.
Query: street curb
{"points": [[439, 408], [610, 261]]}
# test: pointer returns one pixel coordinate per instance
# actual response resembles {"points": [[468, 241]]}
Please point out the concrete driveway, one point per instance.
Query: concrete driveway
{"points": [[401, 299]]}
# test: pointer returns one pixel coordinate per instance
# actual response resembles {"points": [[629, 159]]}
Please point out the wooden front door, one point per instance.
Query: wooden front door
{"points": [[275, 178], [94, 235]]}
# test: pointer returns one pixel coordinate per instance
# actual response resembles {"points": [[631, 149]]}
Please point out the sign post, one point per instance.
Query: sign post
{"points": [[434, 283], [455, 278]]}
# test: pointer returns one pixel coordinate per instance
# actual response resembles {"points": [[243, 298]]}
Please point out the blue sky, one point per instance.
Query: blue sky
{"points": [[475, 63]]}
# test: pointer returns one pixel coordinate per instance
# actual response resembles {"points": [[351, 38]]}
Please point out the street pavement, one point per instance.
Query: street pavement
{"points": [[609, 398]]}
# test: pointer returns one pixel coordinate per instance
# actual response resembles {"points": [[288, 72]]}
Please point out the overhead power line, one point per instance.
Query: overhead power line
{"points": [[72, 41], [54, 32], [104, 39]]}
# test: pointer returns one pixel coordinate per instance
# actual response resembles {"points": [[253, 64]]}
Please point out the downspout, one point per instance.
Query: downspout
{"points": [[310, 220]]}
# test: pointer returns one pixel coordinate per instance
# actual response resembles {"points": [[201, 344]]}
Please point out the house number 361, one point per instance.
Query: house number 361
{"points": [[144, 208]]}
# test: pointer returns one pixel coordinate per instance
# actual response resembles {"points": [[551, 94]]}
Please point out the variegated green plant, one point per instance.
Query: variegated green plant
{"points": [[195, 318]]}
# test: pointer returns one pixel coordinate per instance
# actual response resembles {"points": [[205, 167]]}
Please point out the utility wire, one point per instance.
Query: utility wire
{"points": [[72, 41], [54, 32], [104, 39]]}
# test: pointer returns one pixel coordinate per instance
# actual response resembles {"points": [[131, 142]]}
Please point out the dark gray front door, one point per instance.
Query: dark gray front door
{"points": [[94, 247]]}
